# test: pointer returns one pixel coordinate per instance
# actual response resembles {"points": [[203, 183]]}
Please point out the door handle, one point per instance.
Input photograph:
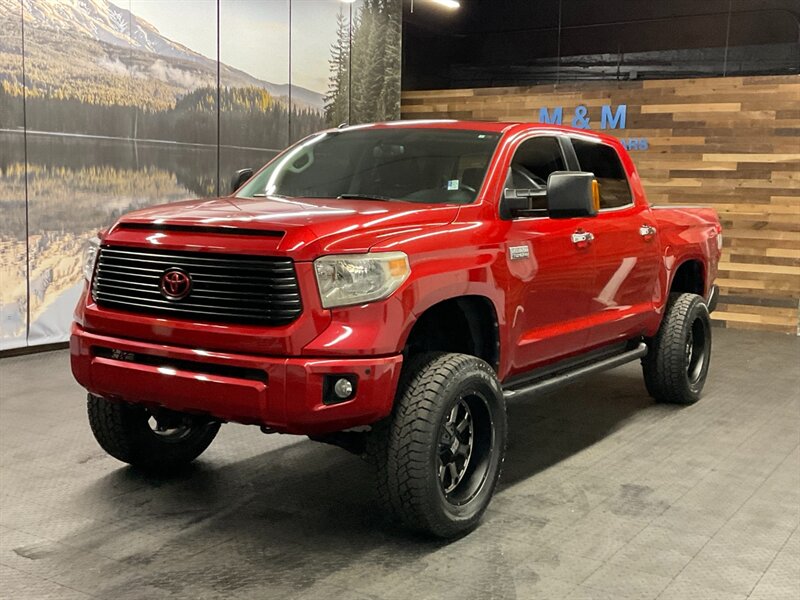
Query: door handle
{"points": [[647, 232], [582, 238]]}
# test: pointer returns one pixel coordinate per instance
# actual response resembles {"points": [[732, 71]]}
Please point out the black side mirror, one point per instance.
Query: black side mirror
{"points": [[239, 179], [572, 194]]}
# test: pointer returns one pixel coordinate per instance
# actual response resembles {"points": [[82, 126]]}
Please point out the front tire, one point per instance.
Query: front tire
{"points": [[440, 453], [676, 365], [158, 441]]}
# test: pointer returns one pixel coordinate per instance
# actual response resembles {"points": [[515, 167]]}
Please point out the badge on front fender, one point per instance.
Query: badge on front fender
{"points": [[518, 252]]}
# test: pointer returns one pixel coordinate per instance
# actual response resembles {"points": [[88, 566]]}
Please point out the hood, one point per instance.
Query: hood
{"points": [[304, 227]]}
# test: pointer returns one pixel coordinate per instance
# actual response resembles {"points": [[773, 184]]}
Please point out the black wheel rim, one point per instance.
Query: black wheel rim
{"points": [[465, 447], [696, 350], [455, 446]]}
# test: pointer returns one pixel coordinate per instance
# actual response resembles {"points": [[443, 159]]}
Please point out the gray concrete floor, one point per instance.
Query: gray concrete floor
{"points": [[604, 495]]}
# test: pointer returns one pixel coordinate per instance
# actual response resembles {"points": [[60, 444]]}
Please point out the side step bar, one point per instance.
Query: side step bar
{"points": [[548, 383]]}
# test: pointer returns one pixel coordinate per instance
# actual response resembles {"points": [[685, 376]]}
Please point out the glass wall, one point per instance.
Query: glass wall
{"points": [[254, 91], [130, 103], [13, 239]]}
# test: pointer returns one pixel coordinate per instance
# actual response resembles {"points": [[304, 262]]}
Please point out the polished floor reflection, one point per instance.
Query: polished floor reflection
{"points": [[604, 495]]}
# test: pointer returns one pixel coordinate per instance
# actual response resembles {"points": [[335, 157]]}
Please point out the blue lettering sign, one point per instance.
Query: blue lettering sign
{"points": [[610, 118], [553, 119], [635, 143], [581, 118], [613, 121]]}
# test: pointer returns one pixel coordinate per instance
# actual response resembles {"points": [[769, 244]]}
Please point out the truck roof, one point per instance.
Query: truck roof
{"points": [[490, 126]]}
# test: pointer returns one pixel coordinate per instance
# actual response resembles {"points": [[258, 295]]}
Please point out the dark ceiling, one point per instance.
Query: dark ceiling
{"points": [[511, 42]]}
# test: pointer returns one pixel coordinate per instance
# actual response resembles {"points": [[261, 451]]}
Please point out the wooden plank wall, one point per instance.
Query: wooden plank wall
{"points": [[730, 143]]}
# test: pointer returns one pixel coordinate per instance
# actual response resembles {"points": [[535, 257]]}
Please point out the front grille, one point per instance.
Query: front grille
{"points": [[225, 287]]}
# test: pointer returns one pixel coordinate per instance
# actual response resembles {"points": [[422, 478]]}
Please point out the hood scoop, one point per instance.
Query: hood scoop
{"points": [[208, 229]]}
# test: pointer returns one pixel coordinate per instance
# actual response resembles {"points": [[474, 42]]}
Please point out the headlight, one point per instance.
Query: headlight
{"points": [[90, 258], [357, 278]]}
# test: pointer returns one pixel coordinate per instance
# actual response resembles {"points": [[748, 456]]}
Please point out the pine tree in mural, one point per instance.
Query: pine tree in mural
{"points": [[364, 53], [392, 50], [370, 70], [337, 100]]}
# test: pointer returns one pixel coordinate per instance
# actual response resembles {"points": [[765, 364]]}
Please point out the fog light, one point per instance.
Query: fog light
{"points": [[343, 388], [339, 388]]}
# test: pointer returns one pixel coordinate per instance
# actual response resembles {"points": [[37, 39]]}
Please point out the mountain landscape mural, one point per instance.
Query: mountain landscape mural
{"points": [[118, 116], [178, 67], [95, 68]]}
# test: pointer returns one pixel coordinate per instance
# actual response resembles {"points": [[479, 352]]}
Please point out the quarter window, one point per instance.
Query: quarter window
{"points": [[603, 161]]}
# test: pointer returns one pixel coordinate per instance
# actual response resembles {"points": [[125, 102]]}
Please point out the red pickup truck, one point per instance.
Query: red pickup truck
{"points": [[386, 288]]}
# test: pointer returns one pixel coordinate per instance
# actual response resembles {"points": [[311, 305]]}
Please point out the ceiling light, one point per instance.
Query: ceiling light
{"points": [[452, 4]]}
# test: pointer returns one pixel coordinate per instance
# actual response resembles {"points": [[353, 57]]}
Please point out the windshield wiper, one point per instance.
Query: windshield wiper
{"points": [[365, 197]]}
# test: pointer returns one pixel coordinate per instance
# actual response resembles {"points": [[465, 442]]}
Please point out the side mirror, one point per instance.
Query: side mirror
{"points": [[239, 179], [572, 194]]}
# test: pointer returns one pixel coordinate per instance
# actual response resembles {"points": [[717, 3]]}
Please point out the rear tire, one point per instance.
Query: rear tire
{"points": [[160, 441], [676, 365], [439, 455]]}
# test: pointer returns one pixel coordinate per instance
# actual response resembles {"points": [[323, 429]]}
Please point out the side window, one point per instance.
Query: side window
{"points": [[533, 162], [604, 162]]}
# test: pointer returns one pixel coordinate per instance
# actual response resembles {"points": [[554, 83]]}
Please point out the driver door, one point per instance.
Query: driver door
{"points": [[548, 316]]}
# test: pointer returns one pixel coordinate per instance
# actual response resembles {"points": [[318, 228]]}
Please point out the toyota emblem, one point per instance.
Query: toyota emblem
{"points": [[175, 284]]}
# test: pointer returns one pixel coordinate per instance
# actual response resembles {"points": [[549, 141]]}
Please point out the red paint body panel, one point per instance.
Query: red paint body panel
{"points": [[289, 398], [561, 301]]}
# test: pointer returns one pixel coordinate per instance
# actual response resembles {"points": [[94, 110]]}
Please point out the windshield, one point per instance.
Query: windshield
{"points": [[409, 164]]}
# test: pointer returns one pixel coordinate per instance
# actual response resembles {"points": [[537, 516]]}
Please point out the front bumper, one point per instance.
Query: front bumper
{"points": [[285, 394]]}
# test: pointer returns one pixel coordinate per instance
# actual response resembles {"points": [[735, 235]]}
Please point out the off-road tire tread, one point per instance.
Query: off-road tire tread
{"points": [[663, 366], [399, 446], [115, 427], [107, 425]]}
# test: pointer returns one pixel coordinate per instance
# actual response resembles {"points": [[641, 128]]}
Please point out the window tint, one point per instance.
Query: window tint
{"points": [[604, 162], [533, 162], [404, 163]]}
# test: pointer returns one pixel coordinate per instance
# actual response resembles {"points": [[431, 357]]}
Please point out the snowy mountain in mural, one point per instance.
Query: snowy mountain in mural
{"points": [[102, 39], [104, 22]]}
